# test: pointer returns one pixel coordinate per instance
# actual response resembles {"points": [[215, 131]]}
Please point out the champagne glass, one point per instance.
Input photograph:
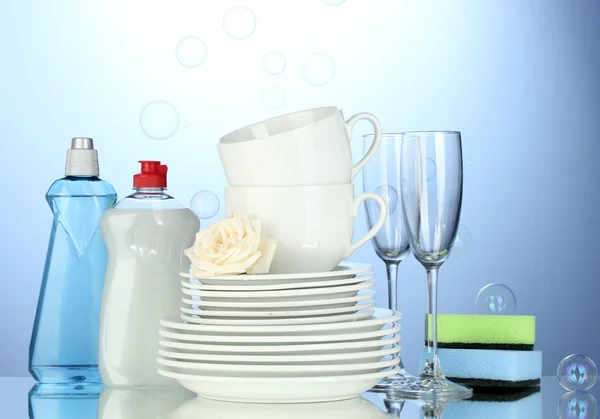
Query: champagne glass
{"points": [[381, 175], [431, 171]]}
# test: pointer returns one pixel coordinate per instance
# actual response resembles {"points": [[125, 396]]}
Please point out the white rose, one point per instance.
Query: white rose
{"points": [[230, 247]]}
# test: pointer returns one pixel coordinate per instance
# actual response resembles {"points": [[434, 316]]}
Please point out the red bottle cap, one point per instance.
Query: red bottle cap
{"points": [[154, 175]]}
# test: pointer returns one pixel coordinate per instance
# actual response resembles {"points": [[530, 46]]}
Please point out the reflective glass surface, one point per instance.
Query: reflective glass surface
{"points": [[22, 398]]}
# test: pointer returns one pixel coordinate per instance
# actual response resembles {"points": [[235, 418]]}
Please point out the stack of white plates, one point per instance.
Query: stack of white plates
{"points": [[280, 338], [323, 297]]}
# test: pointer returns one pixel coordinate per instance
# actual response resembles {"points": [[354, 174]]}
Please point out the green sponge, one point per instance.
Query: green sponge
{"points": [[483, 331]]}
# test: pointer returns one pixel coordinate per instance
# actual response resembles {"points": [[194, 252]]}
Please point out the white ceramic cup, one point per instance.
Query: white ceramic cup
{"points": [[310, 147], [313, 224]]}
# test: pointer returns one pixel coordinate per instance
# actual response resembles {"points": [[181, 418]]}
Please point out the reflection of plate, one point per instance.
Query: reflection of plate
{"points": [[277, 390], [140, 403], [356, 408]]}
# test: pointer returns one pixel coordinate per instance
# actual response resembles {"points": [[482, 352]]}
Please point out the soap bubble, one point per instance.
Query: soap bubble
{"points": [[318, 69], [431, 169], [273, 97], [577, 405], [205, 204], [239, 22], [159, 120], [462, 242], [390, 195], [191, 51], [333, 2], [577, 372], [274, 62], [496, 299], [186, 124]]}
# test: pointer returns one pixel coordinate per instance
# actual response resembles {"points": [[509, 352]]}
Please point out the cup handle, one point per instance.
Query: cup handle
{"points": [[376, 138], [383, 212]]}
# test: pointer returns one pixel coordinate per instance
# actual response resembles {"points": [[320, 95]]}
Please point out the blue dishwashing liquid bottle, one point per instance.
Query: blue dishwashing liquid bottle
{"points": [[64, 342]]}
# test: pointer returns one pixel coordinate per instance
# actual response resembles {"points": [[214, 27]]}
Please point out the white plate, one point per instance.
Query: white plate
{"points": [[281, 295], [343, 270], [275, 371], [268, 300], [279, 390], [380, 318], [313, 348], [269, 314], [334, 318], [260, 339], [281, 305], [329, 359], [300, 284]]}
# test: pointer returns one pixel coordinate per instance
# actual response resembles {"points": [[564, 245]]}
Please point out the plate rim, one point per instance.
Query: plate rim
{"points": [[294, 313], [392, 340], [379, 316], [284, 339], [370, 283], [308, 357], [217, 367], [280, 304], [274, 380], [349, 268], [357, 279], [183, 317]]}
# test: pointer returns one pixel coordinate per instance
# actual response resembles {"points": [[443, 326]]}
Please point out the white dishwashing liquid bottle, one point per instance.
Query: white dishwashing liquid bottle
{"points": [[145, 234]]}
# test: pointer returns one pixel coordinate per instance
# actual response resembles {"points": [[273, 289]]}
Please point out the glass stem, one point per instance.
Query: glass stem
{"points": [[392, 277], [432, 369]]}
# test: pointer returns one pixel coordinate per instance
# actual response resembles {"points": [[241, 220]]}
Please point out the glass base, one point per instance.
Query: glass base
{"points": [[395, 382], [71, 374], [430, 388]]}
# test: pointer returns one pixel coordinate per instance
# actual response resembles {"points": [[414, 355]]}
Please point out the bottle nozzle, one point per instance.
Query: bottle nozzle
{"points": [[82, 159], [82, 143]]}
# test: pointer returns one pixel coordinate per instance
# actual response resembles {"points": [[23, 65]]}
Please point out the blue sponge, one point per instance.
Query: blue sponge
{"points": [[491, 368], [497, 406]]}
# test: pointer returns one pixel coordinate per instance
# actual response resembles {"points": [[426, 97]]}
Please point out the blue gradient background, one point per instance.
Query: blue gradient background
{"points": [[519, 79]]}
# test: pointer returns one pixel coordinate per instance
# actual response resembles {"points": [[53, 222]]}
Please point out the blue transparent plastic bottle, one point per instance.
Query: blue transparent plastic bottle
{"points": [[64, 342]]}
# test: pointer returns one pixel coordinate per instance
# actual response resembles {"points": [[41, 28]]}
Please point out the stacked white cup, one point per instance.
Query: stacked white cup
{"points": [[294, 173]]}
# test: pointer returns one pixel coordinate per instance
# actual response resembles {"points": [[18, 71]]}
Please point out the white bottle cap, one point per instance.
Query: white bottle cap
{"points": [[82, 159]]}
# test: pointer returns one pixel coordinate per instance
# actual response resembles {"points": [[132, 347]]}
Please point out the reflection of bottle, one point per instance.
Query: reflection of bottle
{"points": [[146, 234], [64, 401], [141, 403], [64, 343]]}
